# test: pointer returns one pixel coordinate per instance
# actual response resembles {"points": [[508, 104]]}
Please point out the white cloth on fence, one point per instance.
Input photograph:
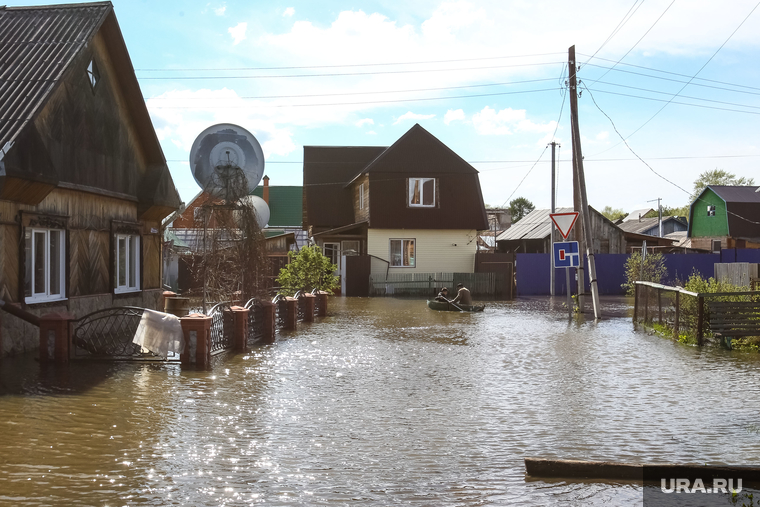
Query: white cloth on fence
{"points": [[160, 333]]}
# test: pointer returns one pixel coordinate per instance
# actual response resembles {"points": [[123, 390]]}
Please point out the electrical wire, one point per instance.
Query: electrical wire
{"points": [[626, 18]]}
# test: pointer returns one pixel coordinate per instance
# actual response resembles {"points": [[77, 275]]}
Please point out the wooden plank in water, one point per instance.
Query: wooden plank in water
{"points": [[604, 470]]}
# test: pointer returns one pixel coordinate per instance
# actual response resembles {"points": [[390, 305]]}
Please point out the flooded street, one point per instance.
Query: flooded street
{"points": [[383, 402]]}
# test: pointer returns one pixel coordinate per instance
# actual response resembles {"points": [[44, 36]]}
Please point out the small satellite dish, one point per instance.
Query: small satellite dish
{"points": [[227, 161], [260, 207]]}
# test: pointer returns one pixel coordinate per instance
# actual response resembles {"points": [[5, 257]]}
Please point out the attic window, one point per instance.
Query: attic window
{"points": [[711, 211], [93, 74], [421, 192]]}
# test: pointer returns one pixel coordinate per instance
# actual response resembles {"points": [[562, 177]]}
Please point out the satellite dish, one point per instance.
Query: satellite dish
{"points": [[260, 207], [227, 161]]}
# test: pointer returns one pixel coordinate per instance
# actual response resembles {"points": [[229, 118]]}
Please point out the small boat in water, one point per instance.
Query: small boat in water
{"points": [[442, 306]]}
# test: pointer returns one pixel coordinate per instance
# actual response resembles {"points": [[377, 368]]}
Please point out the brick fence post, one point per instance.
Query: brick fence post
{"points": [[197, 330], [240, 328], [55, 337], [291, 319], [322, 297], [308, 310], [268, 310]]}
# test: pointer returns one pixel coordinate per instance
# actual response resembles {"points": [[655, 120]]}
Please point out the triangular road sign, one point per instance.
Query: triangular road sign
{"points": [[564, 222]]}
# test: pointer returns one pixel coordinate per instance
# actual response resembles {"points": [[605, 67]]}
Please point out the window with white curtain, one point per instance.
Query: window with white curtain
{"points": [[45, 269]]}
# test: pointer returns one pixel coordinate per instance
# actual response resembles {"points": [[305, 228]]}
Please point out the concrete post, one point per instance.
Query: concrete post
{"points": [[268, 310], [240, 328], [322, 302], [55, 337], [197, 330], [308, 307]]}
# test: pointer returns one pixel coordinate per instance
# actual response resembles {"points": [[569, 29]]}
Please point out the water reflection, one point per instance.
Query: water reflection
{"points": [[384, 402]]}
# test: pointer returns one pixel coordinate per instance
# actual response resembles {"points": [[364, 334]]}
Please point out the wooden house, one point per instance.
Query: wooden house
{"points": [[532, 234], [84, 183], [413, 207], [725, 217]]}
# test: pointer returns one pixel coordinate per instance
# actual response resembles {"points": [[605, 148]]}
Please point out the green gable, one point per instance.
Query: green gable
{"points": [[702, 224], [285, 205]]}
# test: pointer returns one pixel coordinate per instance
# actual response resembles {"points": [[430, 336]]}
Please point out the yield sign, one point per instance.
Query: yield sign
{"points": [[564, 222]]}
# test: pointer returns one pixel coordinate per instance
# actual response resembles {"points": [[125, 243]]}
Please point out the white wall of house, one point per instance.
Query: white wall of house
{"points": [[435, 250]]}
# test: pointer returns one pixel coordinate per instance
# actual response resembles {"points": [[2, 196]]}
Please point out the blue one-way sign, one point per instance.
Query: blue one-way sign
{"points": [[566, 255]]}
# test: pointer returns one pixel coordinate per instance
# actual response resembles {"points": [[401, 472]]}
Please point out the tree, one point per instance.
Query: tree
{"points": [[613, 214], [309, 269], [520, 207], [718, 177]]}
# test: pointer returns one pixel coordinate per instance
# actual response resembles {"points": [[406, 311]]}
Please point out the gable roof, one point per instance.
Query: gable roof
{"points": [[730, 194], [535, 225], [36, 46], [636, 214], [742, 206], [644, 224]]}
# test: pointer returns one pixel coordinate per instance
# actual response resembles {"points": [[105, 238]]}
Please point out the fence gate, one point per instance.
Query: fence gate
{"points": [[107, 335]]}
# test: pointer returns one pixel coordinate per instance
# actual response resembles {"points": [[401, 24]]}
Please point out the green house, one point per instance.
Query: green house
{"points": [[725, 217]]}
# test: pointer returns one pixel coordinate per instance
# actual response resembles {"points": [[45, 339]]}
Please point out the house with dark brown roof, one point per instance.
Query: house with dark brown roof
{"points": [[412, 207], [725, 217], [84, 183]]}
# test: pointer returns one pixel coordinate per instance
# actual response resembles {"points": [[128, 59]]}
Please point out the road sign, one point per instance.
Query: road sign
{"points": [[564, 222], [566, 255]]}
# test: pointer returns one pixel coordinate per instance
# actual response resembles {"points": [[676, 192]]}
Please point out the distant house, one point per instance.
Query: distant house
{"points": [[283, 231], [499, 220], [413, 207], [651, 226], [532, 234], [84, 184], [725, 217]]}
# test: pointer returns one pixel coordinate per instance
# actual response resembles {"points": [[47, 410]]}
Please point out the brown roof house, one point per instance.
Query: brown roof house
{"points": [[84, 183], [412, 208], [725, 217]]}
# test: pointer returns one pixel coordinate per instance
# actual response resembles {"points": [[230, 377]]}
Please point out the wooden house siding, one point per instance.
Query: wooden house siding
{"points": [[703, 225], [361, 214], [435, 250]]}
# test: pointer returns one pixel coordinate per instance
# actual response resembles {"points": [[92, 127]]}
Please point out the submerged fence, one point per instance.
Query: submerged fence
{"points": [[692, 317], [428, 284]]}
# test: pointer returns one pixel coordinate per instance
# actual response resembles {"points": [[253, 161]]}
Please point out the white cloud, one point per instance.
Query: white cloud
{"points": [[413, 116], [453, 115], [365, 121], [289, 12], [238, 32], [602, 136], [490, 122], [219, 11], [371, 133]]}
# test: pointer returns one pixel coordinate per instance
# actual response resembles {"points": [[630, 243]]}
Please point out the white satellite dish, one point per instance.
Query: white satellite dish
{"points": [[216, 155], [260, 207]]}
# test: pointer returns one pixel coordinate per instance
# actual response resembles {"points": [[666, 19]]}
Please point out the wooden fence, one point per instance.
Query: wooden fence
{"points": [[489, 285]]}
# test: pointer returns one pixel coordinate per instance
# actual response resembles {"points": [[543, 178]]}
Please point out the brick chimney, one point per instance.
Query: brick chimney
{"points": [[265, 190]]}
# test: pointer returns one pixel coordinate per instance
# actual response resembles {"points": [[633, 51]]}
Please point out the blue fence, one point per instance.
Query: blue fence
{"points": [[533, 270]]}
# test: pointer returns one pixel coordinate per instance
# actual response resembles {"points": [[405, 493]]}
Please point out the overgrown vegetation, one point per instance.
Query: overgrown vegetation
{"points": [[520, 207], [647, 269], [613, 214], [309, 269]]}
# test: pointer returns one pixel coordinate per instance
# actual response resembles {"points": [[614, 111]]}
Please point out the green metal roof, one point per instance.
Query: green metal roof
{"points": [[285, 205]]}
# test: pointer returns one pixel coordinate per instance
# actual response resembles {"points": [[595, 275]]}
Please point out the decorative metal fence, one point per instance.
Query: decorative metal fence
{"points": [[222, 323], [108, 334], [255, 321]]}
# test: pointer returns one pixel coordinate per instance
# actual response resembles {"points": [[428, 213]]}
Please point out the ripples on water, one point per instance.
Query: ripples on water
{"points": [[384, 402]]}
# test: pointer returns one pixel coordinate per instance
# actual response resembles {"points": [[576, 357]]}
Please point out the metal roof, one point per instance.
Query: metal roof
{"points": [[736, 194], [644, 224], [36, 46], [636, 214], [535, 225]]}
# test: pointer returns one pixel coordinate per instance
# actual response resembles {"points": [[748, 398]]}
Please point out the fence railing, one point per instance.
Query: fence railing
{"points": [[428, 284], [222, 322], [255, 321], [691, 316]]}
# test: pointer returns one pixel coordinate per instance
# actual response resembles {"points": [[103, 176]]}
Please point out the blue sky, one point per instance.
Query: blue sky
{"points": [[485, 77]]}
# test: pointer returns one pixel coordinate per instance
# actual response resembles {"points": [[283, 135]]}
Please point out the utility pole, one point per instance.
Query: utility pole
{"points": [[553, 144], [659, 212], [581, 180]]}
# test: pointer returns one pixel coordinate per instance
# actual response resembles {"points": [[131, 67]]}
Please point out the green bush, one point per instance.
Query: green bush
{"points": [[309, 269], [650, 269]]}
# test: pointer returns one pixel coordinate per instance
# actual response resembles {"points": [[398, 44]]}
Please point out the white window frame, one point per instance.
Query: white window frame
{"points": [[403, 242], [410, 194], [361, 196], [335, 245], [31, 248], [130, 282]]}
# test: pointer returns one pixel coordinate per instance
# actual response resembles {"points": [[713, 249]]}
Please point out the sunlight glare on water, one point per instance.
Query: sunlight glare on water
{"points": [[383, 402]]}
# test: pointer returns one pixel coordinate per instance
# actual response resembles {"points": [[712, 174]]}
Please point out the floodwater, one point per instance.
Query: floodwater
{"points": [[383, 402]]}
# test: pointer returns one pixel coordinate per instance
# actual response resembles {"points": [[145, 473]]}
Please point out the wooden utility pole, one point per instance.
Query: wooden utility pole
{"points": [[580, 180], [554, 210]]}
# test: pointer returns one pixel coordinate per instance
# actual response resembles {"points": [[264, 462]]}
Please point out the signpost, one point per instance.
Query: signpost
{"points": [[566, 254]]}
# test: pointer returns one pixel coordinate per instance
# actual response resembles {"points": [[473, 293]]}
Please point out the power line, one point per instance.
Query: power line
{"points": [[349, 65], [626, 18], [340, 74], [671, 102], [682, 96]]}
